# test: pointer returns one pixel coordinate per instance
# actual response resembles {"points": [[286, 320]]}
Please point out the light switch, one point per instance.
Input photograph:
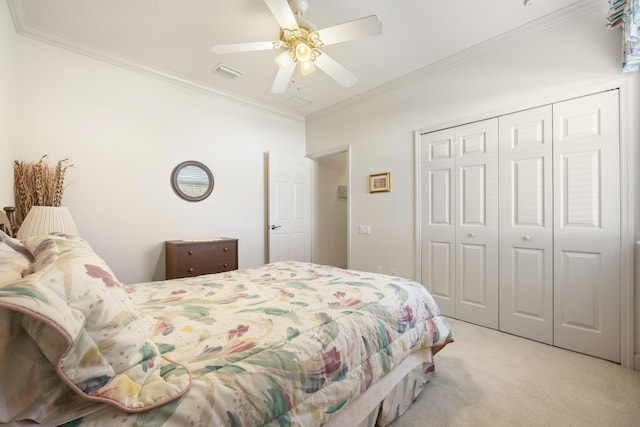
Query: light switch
{"points": [[364, 229]]}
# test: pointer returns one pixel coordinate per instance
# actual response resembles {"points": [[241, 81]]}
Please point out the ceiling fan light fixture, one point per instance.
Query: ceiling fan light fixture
{"points": [[284, 60], [303, 51], [301, 43], [307, 67]]}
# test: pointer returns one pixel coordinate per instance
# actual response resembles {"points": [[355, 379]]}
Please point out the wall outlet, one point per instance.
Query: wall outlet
{"points": [[364, 229], [378, 269]]}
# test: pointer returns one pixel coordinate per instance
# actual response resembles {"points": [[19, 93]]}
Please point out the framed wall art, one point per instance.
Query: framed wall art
{"points": [[380, 182]]}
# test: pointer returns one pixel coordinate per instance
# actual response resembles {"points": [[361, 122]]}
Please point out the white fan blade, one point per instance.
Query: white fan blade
{"points": [[283, 14], [358, 29], [335, 70], [282, 78], [241, 47]]}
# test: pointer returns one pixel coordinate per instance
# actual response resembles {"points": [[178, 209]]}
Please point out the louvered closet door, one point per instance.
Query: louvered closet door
{"points": [[438, 224], [526, 227], [476, 170], [587, 225]]}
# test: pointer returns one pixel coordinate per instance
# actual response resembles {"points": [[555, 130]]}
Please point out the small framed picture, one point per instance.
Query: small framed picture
{"points": [[380, 182]]}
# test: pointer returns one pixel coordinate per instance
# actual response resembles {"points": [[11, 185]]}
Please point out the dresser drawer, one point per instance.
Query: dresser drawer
{"points": [[192, 258]]}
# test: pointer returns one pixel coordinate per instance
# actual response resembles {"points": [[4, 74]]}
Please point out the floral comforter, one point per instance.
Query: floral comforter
{"points": [[283, 344]]}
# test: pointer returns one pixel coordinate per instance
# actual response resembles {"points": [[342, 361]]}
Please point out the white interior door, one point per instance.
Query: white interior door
{"points": [[587, 225], [526, 224], [289, 222], [437, 165], [476, 171]]}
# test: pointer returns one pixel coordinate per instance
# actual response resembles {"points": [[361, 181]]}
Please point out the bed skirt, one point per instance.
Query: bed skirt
{"points": [[391, 396]]}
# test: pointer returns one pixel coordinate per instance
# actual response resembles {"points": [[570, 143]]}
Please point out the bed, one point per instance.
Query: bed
{"points": [[284, 344]]}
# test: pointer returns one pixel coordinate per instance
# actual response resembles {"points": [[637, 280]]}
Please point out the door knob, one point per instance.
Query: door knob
{"points": [[273, 227], [472, 235], [527, 238]]}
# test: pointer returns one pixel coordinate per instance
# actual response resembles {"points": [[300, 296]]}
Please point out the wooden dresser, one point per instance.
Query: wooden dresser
{"points": [[188, 258]]}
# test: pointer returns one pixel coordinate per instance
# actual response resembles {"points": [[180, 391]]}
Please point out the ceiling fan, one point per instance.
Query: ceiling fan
{"points": [[301, 42]]}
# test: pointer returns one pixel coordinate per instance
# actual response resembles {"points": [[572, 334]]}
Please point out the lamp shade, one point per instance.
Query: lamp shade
{"points": [[47, 219]]}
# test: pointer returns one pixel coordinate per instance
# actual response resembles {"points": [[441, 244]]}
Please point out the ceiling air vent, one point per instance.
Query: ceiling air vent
{"points": [[227, 71], [296, 102]]}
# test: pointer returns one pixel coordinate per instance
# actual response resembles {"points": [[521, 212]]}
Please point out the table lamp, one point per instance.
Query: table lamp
{"points": [[47, 219]]}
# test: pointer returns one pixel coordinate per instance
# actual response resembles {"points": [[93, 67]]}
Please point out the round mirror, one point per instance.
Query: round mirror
{"points": [[192, 181]]}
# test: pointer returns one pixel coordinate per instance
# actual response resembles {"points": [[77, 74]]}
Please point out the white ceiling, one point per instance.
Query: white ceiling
{"points": [[173, 38]]}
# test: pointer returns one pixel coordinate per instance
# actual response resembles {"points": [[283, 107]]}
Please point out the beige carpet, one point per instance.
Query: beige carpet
{"points": [[489, 378]]}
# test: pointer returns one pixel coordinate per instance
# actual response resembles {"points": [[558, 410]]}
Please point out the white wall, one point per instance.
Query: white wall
{"points": [[124, 132], [8, 73], [576, 58]]}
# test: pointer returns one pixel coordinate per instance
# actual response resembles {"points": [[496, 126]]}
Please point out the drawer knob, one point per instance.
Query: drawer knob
{"points": [[190, 252], [190, 269], [226, 265], [225, 249]]}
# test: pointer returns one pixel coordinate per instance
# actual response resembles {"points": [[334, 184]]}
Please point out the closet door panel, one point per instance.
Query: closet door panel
{"points": [[473, 195], [526, 231], [439, 182], [437, 222], [476, 165], [439, 263], [529, 273], [582, 274], [528, 177], [587, 225], [472, 275], [580, 191]]}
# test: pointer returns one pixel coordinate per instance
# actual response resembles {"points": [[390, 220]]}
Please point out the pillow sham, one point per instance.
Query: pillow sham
{"points": [[30, 389], [15, 259], [82, 320]]}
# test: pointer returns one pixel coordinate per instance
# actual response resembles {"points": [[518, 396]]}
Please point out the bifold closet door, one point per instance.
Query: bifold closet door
{"points": [[476, 167], [459, 184], [460, 220], [526, 224], [587, 225], [437, 222]]}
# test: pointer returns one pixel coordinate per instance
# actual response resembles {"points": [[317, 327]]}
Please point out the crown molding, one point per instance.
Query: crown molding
{"points": [[514, 36], [25, 29]]}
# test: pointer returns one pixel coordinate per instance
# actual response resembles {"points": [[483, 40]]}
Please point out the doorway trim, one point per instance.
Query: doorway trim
{"points": [[320, 155]]}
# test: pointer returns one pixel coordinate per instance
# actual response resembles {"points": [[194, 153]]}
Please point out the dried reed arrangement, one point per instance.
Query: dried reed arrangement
{"points": [[37, 184]]}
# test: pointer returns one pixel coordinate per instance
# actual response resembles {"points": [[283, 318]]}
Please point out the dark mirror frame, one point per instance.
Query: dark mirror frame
{"points": [[176, 188]]}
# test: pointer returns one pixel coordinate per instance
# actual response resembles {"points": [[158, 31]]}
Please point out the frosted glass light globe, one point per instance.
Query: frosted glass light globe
{"points": [[303, 52]]}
